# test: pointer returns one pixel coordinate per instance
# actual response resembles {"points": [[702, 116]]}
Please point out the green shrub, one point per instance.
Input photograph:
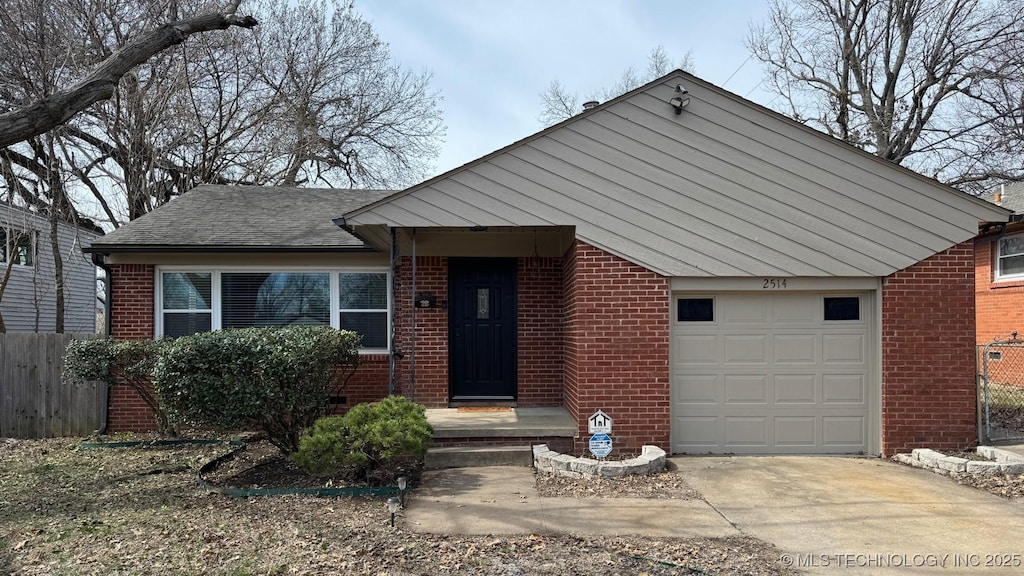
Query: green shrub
{"points": [[276, 380], [376, 442], [115, 362]]}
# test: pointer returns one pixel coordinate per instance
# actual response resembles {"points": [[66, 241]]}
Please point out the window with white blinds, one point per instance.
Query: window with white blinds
{"points": [[193, 301]]}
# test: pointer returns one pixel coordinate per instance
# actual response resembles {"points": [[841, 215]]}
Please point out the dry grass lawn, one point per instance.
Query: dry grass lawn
{"points": [[68, 510]]}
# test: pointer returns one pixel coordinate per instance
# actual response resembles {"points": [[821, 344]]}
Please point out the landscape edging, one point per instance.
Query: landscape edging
{"points": [[1002, 462], [650, 461]]}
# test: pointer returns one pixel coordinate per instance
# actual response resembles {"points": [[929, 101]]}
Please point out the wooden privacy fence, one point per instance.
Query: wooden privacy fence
{"points": [[35, 402]]}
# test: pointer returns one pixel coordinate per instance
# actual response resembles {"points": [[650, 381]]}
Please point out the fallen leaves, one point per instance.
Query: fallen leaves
{"points": [[63, 513]]}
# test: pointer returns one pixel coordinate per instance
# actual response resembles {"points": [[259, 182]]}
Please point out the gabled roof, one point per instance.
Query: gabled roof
{"points": [[1010, 196], [233, 218], [726, 188]]}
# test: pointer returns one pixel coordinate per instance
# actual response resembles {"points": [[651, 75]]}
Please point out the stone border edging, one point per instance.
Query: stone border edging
{"points": [[1003, 462], [650, 460]]}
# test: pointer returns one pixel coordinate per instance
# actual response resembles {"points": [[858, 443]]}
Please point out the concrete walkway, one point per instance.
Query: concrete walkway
{"points": [[503, 500], [859, 515]]}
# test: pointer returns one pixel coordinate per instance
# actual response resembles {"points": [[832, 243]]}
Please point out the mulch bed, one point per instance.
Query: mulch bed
{"points": [[261, 465]]}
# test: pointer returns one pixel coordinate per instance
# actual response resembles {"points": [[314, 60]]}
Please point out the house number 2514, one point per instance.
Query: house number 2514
{"points": [[774, 284]]}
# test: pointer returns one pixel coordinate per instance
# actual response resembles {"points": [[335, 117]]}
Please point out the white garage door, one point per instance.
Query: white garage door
{"points": [[772, 373]]}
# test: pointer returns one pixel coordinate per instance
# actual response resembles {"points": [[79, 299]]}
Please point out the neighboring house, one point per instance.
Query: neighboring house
{"points": [[29, 301], [712, 275], [999, 277]]}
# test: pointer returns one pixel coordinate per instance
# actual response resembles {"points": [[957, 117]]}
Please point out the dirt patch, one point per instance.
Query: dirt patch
{"points": [[968, 455], [140, 511], [663, 485], [1007, 417], [1009, 486]]}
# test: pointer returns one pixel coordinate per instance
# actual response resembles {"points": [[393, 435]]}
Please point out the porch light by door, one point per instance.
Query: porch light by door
{"points": [[680, 100]]}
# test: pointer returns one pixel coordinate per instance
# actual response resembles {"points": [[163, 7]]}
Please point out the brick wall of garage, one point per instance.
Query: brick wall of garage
{"points": [[1000, 305], [617, 347], [928, 347]]}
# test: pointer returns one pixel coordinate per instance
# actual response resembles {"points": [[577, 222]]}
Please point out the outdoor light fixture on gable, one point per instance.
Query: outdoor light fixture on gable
{"points": [[681, 99]]}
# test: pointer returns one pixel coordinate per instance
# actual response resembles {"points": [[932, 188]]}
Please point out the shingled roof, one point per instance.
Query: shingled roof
{"points": [[1010, 197], [237, 218]]}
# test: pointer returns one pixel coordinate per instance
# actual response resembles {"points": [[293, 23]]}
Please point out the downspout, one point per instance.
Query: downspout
{"points": [[412, 361], [108, 289], [394, 313]]}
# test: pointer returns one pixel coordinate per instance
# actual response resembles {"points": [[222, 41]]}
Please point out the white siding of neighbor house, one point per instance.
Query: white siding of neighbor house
{"points": [[32, 288], [726, 188]]}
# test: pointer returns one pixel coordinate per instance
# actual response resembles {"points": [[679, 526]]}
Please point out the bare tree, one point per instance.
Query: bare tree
{"points": [[559, 103], [54, 109], [903, 79]]}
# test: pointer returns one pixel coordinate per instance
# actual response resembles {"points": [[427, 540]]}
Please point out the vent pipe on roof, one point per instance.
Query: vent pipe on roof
{"points": [[590, 104]]}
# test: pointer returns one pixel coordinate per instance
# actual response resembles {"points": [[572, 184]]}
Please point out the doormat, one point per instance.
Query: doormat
{"points": [[484, 409]]}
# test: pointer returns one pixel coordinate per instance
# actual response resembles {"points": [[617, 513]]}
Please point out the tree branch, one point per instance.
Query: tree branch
{"points": [[46, 114]]}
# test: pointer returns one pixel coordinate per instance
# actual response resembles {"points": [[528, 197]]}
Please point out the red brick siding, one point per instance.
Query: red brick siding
{"points": [[617, 346], [369, 383], [133, 319], [928, 371], [431, 384], [132, 301], [540, 331], [1000, 305]]}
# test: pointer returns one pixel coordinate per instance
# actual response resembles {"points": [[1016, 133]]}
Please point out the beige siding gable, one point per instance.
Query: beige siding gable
{"points": [[726, 188]]}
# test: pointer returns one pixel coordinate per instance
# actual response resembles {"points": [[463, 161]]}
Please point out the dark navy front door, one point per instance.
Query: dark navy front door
{"points": [[482, 329]]}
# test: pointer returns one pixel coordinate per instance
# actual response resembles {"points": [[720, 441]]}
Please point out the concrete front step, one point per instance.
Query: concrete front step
{"points": [[475, 456]]}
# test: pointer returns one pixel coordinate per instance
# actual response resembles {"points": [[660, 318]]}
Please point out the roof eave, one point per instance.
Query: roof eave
{"points": [[194, 249]]}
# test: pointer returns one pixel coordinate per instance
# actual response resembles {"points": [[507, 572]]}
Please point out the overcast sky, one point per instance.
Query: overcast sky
{"points": [[492, 59]]}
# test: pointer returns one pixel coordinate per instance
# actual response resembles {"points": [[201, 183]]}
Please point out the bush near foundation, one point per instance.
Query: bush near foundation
{"points": [[374, 442], [275, 380], [120, 362]]}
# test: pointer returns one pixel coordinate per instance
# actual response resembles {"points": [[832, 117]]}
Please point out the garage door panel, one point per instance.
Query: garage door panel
{"points": [[795, 388], [796, 431], [698, 388], [793, 309], [844, 431], [745, 349], [795, 348], [698, 431], [738, 309], [746, 431], [843, 348], [771, 375], [692, 349], [843, 389], [746, 389]]}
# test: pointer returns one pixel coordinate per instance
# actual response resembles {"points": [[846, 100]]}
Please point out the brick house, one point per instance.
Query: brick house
{"points": [[712, 275], [999, 280]]}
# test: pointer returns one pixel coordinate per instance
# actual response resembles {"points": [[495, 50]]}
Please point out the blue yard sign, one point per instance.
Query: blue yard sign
{"points": [[600, 445]]}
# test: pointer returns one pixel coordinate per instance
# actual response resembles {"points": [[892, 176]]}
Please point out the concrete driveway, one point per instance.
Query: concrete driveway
{"points": [[836, 515], [827, 515]]}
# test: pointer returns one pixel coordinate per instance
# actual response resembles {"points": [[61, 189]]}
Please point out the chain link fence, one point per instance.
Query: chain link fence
{"points": [[1001, 389]]}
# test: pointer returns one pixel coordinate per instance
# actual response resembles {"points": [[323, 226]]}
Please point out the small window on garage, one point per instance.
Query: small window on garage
{"points": [[842, 308], [695, 309]]}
